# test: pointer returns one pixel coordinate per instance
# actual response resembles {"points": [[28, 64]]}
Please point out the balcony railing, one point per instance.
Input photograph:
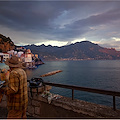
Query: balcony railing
{"points": [[98, 91]]}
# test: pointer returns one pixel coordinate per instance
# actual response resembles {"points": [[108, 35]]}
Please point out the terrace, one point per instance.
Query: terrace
{"points": [[64, 107]]}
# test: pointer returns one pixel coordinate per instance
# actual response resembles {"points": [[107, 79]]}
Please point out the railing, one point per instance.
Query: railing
{"points": [[104, 92]]}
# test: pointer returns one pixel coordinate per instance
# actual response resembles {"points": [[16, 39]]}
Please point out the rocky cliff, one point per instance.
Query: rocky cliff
{"points": [[6, 44]]}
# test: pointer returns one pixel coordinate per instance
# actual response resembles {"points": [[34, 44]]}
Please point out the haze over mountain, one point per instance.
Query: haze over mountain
{"points": [[78, 51], [60, 22], [84, 50]]}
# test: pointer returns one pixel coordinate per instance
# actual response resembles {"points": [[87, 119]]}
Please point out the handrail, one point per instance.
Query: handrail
{"points": [[106, 92], [99, 91]]}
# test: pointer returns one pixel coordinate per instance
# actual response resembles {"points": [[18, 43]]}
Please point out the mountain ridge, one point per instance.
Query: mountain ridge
{"points": [[84, 50], [77, 51]]}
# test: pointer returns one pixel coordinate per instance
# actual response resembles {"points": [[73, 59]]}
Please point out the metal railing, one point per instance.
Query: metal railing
{"points": [[98, 91]]}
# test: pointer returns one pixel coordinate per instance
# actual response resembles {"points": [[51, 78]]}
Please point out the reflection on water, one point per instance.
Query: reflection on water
{"points": [[101, 74]]}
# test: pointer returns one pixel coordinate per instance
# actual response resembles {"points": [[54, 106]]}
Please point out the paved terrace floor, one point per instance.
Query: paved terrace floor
{"points": [[3, 113]]}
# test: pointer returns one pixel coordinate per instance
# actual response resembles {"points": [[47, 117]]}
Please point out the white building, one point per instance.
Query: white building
{"points": [[25, 57], [1, 54], [5, 56], [11, 52], [28, 57], [15, 52], [28, 60], [22, 57], [20, 53]]}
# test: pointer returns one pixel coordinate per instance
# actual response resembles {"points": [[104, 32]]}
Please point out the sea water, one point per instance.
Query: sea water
{"points": [[98, 74]]}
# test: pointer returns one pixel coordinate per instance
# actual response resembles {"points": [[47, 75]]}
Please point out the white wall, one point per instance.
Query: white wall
{"points": [[28, 57]]}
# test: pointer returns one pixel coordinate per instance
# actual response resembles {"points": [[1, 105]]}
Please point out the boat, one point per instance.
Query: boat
{"points": [[32, 67]]}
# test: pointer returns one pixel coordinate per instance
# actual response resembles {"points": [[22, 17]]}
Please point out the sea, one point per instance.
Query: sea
{"points": [[98, 74]]}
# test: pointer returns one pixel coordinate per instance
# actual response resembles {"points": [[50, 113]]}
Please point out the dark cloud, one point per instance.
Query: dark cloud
{"points": [[31, 14], [60, 20]]}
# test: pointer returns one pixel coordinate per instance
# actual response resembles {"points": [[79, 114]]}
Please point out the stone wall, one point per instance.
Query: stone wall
{"points": [[39, 107], [61, 107], [64, 107], [3, 108]]}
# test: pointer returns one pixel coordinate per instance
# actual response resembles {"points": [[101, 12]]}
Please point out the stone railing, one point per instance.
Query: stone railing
{"points": [[62, 107]]}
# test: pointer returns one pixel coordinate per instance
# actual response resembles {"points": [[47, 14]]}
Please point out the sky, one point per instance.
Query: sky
{"points": [[60, 22]]}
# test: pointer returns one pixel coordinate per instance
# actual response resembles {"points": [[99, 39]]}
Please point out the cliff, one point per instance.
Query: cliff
{"points": [[6, 44]]}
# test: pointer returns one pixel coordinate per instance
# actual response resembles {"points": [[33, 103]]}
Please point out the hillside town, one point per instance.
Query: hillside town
{"points": [[30, 60]]}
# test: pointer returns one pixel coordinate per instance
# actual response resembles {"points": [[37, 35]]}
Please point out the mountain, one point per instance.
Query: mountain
{"points": [[80, 50], [84, 50], [6, 44]]}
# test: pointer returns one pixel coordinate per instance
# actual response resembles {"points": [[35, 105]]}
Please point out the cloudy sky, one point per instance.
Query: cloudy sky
{"points": [[61, 23]]}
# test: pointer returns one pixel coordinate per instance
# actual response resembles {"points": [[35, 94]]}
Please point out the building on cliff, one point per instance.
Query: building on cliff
{"points": [[25, 55], [4, 56]]}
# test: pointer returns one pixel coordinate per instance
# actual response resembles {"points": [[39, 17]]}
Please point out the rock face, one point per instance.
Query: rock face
{"points": [[6, 44]]}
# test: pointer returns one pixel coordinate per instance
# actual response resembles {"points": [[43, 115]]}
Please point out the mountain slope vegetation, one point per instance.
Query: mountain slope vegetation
{"points": [[79, 50]]}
